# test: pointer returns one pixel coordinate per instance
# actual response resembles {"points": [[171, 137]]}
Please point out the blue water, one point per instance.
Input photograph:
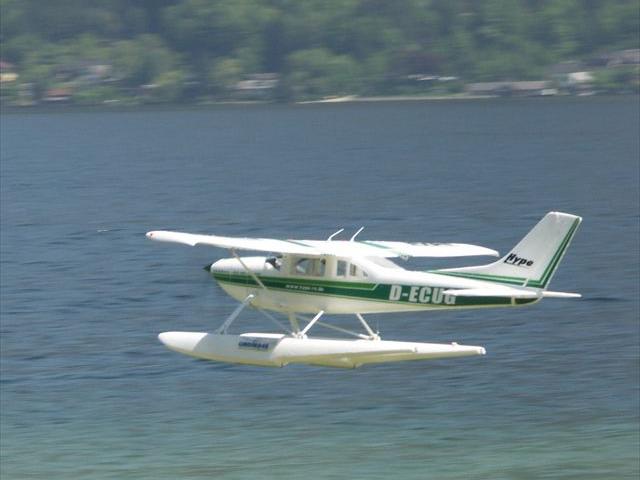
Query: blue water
{"points": [[87, 391]]}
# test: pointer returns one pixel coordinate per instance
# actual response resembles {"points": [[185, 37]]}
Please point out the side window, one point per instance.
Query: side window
{"points": [[354, 271], [304, 266], [311, 266], [341, 269]]}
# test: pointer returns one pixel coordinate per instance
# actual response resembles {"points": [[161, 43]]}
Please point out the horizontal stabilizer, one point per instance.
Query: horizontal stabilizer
{"points": [[509, 292], [548, 294], [505, 292]]}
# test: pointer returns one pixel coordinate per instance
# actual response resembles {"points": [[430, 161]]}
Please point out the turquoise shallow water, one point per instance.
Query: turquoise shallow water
{"points": [[88, 392]]}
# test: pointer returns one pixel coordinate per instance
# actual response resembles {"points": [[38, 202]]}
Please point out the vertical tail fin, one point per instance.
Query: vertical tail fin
{"points": [[534, 260]]}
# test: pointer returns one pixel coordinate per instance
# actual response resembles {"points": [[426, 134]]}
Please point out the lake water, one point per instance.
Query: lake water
{"points": [[87, 391]]}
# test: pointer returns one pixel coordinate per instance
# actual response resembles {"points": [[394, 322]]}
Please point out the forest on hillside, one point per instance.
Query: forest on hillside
{"points": [[187, 50]]}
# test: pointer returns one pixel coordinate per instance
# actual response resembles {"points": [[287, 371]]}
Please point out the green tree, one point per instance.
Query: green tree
{"points": [[319, 47], [223, 76], [141, 60], [95, 95], [170, 85], [317, 73], [213, 27]]}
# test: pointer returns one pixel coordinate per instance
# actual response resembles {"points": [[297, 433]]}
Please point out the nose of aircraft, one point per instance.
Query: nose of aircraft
{"points": [[207, 268]]}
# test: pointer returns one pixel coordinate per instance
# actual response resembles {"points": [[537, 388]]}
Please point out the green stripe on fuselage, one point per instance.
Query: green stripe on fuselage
{"points": [[401, 295], [519, 281], [274, 281]]}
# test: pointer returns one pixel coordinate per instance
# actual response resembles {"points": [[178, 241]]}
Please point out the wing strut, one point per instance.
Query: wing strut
{"points": [[274, 320], [247, 269]]}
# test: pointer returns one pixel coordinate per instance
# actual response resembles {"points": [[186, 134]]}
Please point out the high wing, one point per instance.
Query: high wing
{"points": [[372, 248], [342, 248], [256, 244]]}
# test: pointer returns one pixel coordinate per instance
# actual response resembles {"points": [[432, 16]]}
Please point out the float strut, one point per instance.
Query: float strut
{"points": [[223, 328], [302, 334], [372, 334]]}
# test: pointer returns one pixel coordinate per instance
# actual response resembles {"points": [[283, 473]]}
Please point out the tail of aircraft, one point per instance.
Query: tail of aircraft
{"points": [[534, 260]]}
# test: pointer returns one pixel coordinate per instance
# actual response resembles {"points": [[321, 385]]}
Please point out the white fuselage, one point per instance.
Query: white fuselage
{"points": [[337, 285]]}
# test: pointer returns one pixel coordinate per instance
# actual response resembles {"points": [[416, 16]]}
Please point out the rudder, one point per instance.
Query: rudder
{"points": [[534, 260]]}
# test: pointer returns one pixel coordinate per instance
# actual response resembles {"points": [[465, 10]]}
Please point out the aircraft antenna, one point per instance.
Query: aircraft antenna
{"points": [[334, 234], [356, 234]]}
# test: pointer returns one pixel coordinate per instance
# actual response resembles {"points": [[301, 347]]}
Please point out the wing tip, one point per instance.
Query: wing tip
{"points": [[172, 237]]}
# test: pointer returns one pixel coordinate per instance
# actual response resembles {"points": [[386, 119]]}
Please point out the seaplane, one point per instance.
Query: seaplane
{"points": [[306, 280]]}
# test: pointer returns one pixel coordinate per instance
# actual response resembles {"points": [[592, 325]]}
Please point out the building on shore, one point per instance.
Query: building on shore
{"points": [[506, 89]]}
